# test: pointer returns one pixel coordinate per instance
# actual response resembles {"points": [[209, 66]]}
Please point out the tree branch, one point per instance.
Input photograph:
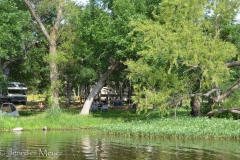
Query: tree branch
{"points": [[7, 63], [33, 13], [59, 16], [228, 92], [229, 64], [233, 64], [219, 97], [192, 68], [197, 94]]}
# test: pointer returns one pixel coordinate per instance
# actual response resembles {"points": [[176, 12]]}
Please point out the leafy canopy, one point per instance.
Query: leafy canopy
{"points": [[12, 21], [180, 54]]}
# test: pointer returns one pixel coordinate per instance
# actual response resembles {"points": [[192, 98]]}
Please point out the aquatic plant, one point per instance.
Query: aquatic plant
{"points": [[185, 127]]}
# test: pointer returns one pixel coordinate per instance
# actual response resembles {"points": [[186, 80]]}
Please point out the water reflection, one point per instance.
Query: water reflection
{"points": [[83, 145]]}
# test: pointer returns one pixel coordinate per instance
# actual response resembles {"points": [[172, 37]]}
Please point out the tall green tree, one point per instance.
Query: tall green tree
{"points": [[106, 27], [51, 17], [182, 55], [95, 45]]}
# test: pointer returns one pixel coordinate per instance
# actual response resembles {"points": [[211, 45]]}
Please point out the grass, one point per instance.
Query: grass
{"points": [[52, 121], [126, 123]]}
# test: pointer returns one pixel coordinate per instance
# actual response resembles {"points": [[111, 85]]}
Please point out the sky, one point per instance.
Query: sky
{"points": [[238, 18], [81, 1]]}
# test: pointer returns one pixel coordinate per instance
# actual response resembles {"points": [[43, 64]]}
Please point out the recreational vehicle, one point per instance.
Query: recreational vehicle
{"points": [[14, 92]]}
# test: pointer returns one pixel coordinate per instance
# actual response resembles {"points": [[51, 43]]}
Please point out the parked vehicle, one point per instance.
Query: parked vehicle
{"points": [[14, 92], [9, 109]]}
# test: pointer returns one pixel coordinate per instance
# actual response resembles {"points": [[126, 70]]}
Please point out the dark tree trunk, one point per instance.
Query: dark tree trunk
{"points": [[68, 94], [195, 105]]}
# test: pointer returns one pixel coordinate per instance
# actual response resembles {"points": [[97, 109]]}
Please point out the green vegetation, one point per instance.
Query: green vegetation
{"points": [[184, 127], [165, 53], [52, 118], [127, 123], [191, 62]]}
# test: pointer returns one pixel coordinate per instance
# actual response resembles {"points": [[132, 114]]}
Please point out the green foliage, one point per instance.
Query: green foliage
{"points": [[59, 58], [184, 127], [126, 123], [232, 33], [233, 101], [221, 13], [52, 114], [103, 33], [52, 119], [177, 55], [12, 22], [35, 66]]}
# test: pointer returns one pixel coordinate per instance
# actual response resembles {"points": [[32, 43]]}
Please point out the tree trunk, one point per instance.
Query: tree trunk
{"points": [[195, 105], [88, 102], [54, 91], [68, 94]]}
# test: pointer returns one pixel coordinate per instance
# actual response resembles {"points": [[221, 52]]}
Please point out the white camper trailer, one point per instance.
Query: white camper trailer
{"points": [[14, 92]]}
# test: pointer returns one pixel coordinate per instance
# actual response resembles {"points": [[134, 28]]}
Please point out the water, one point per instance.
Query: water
{"points": [[83, 145]]}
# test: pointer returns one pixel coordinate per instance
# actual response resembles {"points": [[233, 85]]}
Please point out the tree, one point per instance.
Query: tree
{"points": [[94, 47], [182, 55], [56, 13], [12, 20], [106, 39]]}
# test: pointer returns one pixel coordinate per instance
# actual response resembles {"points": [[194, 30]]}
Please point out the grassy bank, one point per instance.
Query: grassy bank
{"points": [[126, 123], [52, 118]]}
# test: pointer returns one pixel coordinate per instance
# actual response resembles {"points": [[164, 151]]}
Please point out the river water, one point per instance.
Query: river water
{"points": [[82, 145]]}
